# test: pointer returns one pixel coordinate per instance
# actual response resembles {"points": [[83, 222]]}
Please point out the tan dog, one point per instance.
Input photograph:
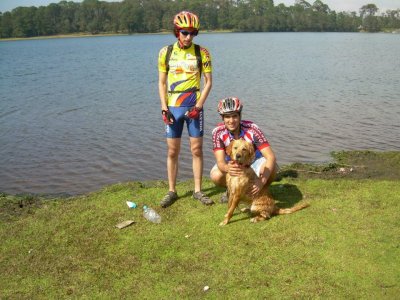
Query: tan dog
{"points": [[262, 204]]}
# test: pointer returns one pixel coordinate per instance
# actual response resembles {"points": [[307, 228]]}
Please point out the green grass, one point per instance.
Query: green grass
{"points": [[345, 245]]}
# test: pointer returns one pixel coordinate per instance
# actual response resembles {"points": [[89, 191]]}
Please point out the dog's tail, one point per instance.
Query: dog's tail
{"points": [[297, 207]]}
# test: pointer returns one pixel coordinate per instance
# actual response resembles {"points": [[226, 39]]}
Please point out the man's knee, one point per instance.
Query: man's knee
{"points": [[272, 176], [217, 176], [196, 147], [173, 152], [197, 151]]}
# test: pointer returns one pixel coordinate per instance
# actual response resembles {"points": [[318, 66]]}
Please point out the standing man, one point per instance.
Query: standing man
{"points": [[233, 127], [180, 67]]}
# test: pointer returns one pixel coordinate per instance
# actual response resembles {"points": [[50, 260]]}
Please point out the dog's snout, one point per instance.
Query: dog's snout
{"points": [[238, 156]]}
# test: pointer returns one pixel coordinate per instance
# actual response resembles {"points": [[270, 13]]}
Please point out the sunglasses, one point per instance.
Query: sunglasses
{"points": [[192, 33]]}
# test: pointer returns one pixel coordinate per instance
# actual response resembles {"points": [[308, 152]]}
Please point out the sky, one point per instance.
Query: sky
{"points": [[337, 5], [349, 5]]}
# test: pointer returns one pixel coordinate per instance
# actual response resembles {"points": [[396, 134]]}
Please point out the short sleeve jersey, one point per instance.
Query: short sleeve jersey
{"points": [[248, 131], [183, 81]]}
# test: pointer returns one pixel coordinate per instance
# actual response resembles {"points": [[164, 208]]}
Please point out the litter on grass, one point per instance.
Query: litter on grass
{"points": [[124, 224], [131, 204]]}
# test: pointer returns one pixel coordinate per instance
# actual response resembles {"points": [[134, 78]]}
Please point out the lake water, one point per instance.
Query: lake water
{"points": [[80, 113]]}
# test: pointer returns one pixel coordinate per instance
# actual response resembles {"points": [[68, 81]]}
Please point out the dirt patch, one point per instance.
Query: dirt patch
{"points": [[349, 164], [18, 205]]}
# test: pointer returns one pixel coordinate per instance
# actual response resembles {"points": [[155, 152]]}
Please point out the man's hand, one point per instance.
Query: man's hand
{"points": [[258, 184], [235, 169], [193, 112], [168, 118]]}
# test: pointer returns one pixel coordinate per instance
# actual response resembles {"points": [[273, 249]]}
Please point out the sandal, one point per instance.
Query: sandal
{"points": [[202, 198], [169, 199]]}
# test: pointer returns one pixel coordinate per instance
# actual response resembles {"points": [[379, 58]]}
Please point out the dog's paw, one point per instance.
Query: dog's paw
{"points": [[257, 219], [245, 209], [223, 223]]}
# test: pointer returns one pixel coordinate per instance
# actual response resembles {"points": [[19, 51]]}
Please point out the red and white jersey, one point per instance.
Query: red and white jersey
{"points": [[249, 131]]}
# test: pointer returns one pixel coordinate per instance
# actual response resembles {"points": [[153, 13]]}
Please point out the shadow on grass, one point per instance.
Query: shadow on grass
{"points": [[244, 216], [286, 195], [210, 192], [214, 190]]}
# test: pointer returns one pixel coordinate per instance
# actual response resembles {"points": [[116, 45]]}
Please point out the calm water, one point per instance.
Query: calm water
{"points": [[80, 113]]}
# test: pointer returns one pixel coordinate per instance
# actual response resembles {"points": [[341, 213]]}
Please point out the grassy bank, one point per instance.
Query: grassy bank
{"points": [[345, 245]]}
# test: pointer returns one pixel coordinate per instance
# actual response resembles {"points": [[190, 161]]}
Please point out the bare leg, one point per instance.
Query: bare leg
{"points": [[174, 147], [196, 146], [218, 177]]}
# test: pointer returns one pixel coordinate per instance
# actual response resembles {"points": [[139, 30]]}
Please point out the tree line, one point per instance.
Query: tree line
{"points": [[145, 16]]}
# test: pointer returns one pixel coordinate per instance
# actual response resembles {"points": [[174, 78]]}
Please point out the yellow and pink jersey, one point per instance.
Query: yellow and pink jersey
{"points": [[183, 81]]}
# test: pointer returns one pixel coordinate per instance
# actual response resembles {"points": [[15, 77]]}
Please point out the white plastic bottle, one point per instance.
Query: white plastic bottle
{"points": [[151, 215]]}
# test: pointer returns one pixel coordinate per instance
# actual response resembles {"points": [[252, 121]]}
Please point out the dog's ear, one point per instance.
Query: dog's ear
{"points": [[229, 148], [252, 152]]}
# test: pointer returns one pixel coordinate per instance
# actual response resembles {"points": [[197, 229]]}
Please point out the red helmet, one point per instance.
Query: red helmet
{"points": [[186, 19], [229, 105]]}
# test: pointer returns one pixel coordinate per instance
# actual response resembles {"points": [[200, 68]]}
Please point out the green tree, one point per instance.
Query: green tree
{"points": [[301, 14], [209, 17], [68, 22], [152, 16], [24, 22], [53, 16], [346, 21], [320, 17], [43, 25], [6, 25], [390, 19], [369, 20], [156, 15], [132, 16], [225, 14], [113, 23], [283, 18], [92, 16]]}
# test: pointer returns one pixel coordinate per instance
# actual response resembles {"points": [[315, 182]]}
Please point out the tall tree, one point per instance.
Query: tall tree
{"points": [[369, 20], [301, 14], [6, 25], [346, 21], [152, 16], [24, 22], [392, 19], [132, 16], [320, 16]]}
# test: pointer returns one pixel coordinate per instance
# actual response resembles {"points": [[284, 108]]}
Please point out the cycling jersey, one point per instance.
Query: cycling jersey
{"points": [[183, 82], [249, 131]]}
